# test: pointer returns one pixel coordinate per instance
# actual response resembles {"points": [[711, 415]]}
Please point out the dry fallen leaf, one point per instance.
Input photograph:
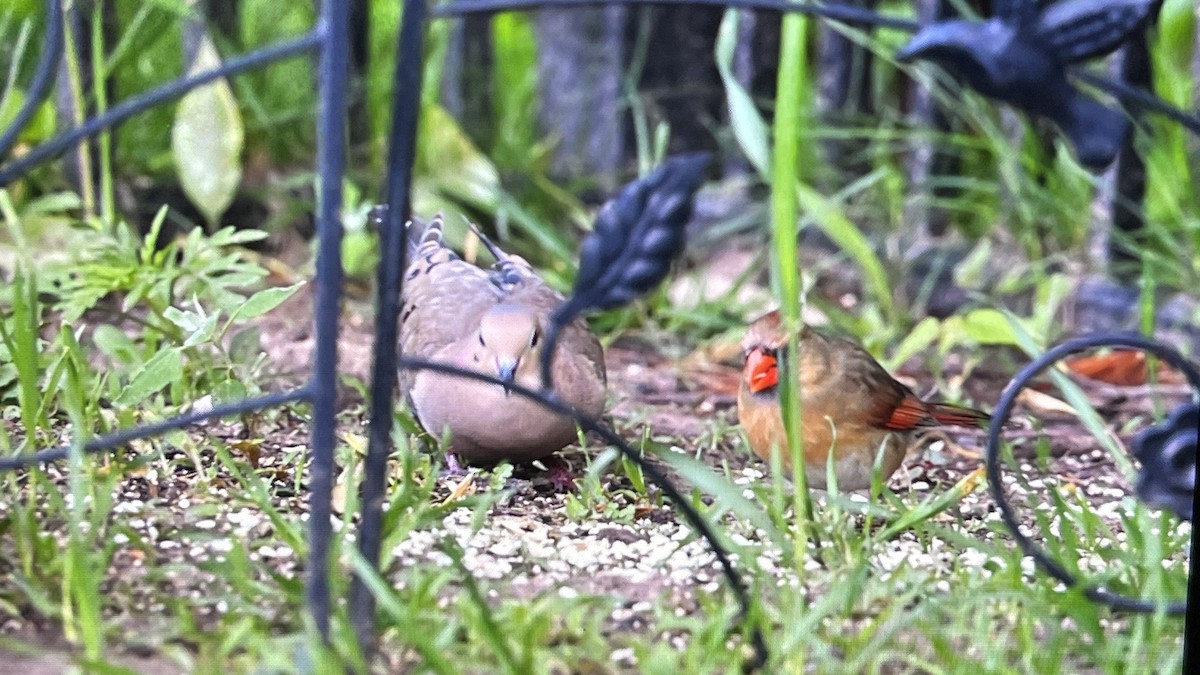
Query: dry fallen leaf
{"points": [[341, 489], [1044, 403], [250, 448], [971, 481], [465, 488], [708, 367], [356, 442], [1123, 367]]}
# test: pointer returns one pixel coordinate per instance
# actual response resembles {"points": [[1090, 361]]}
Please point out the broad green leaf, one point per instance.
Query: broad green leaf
{"points": [[228, 391], [1177, 32], [56, 203], [206, 140], [972, 271], [266, 300], [8, 375], [451, 163], [41, 125], [514, 82], [115, 344], [360, 254], [23, 10], [245, 345], [988, 327], [747, 124], [918, 339], [204, 332], [186, 320], [161, 370]]}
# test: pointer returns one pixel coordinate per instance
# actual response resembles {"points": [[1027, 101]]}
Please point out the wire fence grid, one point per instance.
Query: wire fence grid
{"points": [[330, 40]]}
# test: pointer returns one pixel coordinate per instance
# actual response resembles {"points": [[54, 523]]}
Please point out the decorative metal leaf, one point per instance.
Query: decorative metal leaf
{"points": [[1023, 63], [1167, 452], [1078, 30], [1096, 131], [636, 236], [1015, 12], [982, 54]]}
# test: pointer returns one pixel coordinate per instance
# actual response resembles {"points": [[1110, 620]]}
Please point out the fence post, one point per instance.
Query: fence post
{"points": [[1128, 221], [402, 145], [331, 146]]}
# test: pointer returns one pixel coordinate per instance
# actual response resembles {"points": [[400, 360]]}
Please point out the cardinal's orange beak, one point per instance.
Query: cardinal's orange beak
{"points": [[761, 372]]}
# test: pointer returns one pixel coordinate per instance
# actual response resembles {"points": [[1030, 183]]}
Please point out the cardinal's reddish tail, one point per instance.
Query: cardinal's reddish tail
{"points": [[957, 415]]}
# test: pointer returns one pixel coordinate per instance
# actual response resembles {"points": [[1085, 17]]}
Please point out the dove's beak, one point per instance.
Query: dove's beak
{"points": [[506, 370]]}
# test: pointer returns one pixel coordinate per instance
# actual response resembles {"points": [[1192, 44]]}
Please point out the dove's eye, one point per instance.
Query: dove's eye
{"points": [[481, 342], [533, 339]]}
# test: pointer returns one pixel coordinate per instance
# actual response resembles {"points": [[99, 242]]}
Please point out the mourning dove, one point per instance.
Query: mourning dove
{"points": [[849, 406], [491, 321]]}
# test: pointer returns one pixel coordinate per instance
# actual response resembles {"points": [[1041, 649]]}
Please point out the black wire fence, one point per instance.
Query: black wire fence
{"points": [[1030, 60]]}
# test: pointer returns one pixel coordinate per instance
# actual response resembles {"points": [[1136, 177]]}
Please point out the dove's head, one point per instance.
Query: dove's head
{"points": [[510, 341]]}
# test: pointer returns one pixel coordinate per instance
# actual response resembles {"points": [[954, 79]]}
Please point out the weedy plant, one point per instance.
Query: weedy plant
{"points": [[185, 296]]}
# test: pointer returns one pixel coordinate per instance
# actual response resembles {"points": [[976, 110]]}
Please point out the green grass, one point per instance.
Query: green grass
{"points": [[103, 327]]}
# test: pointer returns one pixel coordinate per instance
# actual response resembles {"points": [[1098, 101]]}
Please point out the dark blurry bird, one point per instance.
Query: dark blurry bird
{"points": [[1020, 56]]}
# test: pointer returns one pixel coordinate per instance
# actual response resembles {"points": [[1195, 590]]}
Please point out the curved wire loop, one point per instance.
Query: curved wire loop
{"points": [[1003, 411]]}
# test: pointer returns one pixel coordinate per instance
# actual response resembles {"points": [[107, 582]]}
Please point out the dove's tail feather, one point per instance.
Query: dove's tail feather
{"points": [[424, 238], [510, 270], [490, 245]]}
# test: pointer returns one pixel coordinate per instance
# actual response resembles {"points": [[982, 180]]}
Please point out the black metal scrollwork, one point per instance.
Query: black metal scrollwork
{"points": [[1003, 411], [1167, 452], [630, 249], [1021, 54]]}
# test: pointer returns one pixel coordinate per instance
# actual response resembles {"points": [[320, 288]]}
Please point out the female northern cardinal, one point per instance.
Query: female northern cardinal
{"points": [[849, 406]]}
